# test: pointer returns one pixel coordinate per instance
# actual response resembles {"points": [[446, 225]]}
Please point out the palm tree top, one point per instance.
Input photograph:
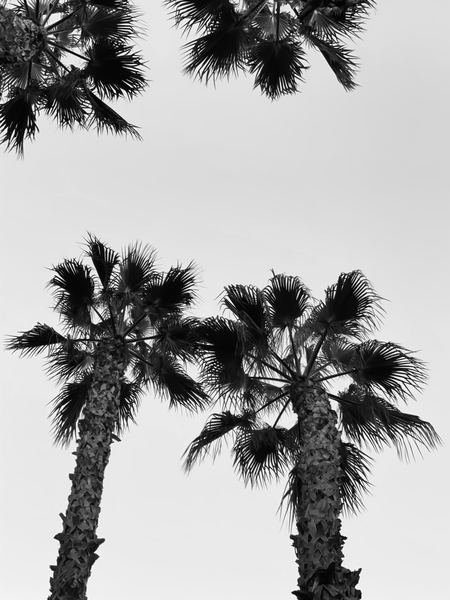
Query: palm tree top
{"points": [[277, 342], [121, 299], [68, 59], [269, 39]]}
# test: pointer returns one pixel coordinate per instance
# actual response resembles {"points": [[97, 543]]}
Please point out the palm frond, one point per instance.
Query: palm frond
{"points": [[136, 270], [367, 419], [18, 118], [223, 352], [172, 381], [69, 360], [340, 59], [261, 455], [67, 409], [389, 368], [178, 337], [351, 306], [356, 468], [66, 101], [288, 299], [209, 441], [199, 13], [74, 292], [117, 21], [104, 259], [172, 292], [114, 69], [246, 303], [278, 65], [130, 399], [221, 51], [106, 119], [30, 343]]}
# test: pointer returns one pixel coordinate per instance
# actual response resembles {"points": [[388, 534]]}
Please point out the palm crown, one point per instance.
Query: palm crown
{"points": [[279, 341], [268, 38], [67, 58], [123, 299]]}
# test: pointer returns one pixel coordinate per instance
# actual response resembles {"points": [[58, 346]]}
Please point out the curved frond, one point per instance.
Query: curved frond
{"points": [[18, 117], [103, 258], [367, 419], [288, 299], [137, 269], [170, 293], [222, 354], [130, 399], [114, 69], [278, 65], [29, 343], [69, 360], [104, 118], [247, 305], [67, 409], [260, 455], [209, 441], [351, 306], [356, 468], [388, 367], [220, 52], [74, 292], [189, 13], [178, 337], [172, 381]]}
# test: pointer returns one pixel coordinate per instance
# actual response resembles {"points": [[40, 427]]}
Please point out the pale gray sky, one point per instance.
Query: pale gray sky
{"points": [[311, 185]]}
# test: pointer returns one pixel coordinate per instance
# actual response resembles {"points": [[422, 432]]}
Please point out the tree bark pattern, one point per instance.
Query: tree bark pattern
{"points": [[78, 540], [20, 38], [319, 542]]}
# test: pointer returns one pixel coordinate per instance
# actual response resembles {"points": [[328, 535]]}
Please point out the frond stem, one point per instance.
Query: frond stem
{"points": [[286, 404], [316, 351]]}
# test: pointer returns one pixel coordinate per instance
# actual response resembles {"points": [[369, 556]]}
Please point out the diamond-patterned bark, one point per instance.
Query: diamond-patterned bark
{"points": [[20, 38], [319, 542], [78, 540]]}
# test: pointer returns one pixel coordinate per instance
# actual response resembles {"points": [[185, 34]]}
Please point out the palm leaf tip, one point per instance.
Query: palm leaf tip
{"points": [[103, 258], [278, 66], [221, 51], [209, 441], [18, 118], [189, 13], [34, 341]]}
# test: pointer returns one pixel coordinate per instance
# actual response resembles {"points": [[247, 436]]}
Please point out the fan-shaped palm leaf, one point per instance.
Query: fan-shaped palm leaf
{"points": [[367, 419], [200, 13], [209, 441], [246, 303], [220, 52], [387, 367], [288, 299], [136, 270], [170, 293], [278, 65], [103, 258], [18, 117], [351, 306], [260, 455], [67, 408], [35, 341]]}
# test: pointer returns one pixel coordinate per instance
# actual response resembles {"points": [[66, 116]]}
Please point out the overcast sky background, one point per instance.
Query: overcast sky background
{"points": [[311, 185]]}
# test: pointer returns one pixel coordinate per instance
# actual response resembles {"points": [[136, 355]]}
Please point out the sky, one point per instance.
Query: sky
{"points": [[312, 185]]}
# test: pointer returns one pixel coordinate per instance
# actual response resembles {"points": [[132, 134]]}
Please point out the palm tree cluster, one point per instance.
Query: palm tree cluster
{"points": [[269, 39], [124, 328], [68, 59], [273, 365]]}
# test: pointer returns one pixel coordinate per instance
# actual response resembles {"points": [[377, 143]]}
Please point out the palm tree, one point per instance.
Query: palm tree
{"points": [[65, 58], [268, 38], [278, 358], [124, 328]]}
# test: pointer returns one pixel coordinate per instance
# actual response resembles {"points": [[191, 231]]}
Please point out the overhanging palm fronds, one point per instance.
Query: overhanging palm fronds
{"points": [[65, 58], [268, 39]]}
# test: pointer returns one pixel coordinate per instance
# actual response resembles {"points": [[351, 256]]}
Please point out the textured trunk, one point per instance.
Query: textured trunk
{"points": [[319, 542], [20, 38], [78, 540]]}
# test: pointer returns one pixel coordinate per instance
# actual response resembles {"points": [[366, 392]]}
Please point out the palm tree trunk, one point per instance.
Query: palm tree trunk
{"points": [[20, 38], [319, 542], [78, 540]]}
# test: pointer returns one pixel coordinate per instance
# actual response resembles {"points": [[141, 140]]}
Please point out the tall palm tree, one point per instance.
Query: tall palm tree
{"points": [[269, 38], [124, 328], [66, 58], [274, 365]]}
